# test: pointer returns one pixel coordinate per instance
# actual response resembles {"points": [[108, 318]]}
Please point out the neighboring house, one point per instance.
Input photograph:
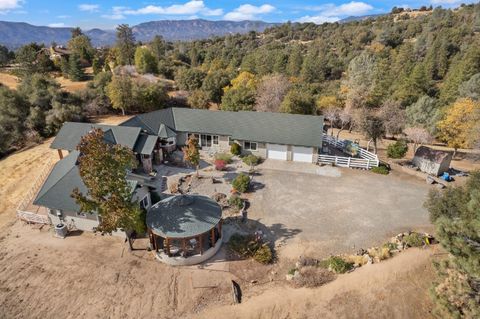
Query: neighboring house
{"points": [[55, 194], [269, 135], [152, 135], [430, 161]]}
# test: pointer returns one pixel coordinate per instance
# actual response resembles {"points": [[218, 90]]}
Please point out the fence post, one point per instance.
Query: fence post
{"points": [[336, 160], [348, 164], [368, 163]]}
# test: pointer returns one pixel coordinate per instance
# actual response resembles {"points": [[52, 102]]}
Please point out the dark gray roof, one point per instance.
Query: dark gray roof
{"points": [[436, 156], [166, 132], [56, 191], [145, 144], [183, 216], [70, 134], [278, 128]]}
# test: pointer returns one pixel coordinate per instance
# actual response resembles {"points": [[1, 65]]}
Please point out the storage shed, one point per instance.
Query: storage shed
{"points": [[433, 162]]}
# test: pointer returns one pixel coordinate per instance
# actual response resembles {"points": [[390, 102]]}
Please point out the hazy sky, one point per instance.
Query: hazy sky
{"points": [[107, 14]]}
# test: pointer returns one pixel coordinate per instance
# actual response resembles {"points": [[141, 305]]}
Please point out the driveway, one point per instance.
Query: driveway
{"points": [[327, 210]]}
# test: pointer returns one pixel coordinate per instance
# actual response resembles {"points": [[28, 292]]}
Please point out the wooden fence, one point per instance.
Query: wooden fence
{"points": [[22, 209], [367, 159]]}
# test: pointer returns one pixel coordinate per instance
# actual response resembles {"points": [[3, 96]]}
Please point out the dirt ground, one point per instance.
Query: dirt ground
{"points": [[10, 81]]}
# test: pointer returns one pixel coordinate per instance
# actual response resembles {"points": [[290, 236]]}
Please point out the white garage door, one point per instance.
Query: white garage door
{"points": [[302, 154], [276, 151]]}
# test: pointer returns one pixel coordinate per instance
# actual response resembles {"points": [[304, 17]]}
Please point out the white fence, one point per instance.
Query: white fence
{"points": [[22, 209], [367, 159]]}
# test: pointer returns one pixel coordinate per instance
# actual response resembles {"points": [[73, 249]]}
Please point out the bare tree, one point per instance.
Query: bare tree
{"points": [[331, 114], [271, 92], [344, 117], [418, 136], [373, 128], [393, 117]]}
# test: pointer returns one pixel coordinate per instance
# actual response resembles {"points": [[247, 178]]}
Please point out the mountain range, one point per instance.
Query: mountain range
{"points": [[16, 34]]}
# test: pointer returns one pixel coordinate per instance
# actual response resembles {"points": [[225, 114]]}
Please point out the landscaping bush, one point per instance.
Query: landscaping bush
{"points": [[227, 158], [235, 201], [380, 253], [263, 254], [414, 240], [382, 169], [397, 149], [336, 264], [235, 149], [220, 164], [241, 183], [251, 160]]}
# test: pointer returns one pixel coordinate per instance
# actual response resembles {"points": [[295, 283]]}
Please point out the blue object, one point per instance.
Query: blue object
{"points": [[446, 177]]}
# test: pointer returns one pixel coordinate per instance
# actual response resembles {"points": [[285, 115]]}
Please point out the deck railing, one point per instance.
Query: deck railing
{"points": [[22, 211], [367, 159]]}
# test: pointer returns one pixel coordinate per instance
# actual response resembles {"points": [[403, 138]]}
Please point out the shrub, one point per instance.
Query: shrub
{"points": [[311, 276], [235, 149], [381, 253], [336, 264], [397, 149], [227, 158], [220, 164], [414, 240], [383, 170], [235, 201], [241, 183], [251, 160], [263, 254]]}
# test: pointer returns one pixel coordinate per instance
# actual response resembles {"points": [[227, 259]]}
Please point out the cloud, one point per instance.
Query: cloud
{"points": [[88, 7], [248, 12], [331, 12], [6, 5], [57, 25], [189, 8], [117, 14]]}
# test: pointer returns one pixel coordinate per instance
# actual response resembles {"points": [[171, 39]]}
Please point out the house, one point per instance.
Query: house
{"points": [[153, 135], [430, 161], [280, 136]]}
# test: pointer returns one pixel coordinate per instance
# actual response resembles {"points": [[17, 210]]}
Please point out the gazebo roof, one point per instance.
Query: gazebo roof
{"points": [[183, 216]]}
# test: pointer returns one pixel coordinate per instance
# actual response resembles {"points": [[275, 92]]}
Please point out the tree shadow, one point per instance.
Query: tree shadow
{"points": [[255, 186]]}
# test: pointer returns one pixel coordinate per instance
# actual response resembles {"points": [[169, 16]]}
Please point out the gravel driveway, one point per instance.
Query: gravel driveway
{"points": [[331, 210]]}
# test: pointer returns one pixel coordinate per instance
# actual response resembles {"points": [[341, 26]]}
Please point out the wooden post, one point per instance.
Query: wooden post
{"points": [[167, 246], [220, 228], [60, 154], [200, 241], [184, 247], [213, 236]]}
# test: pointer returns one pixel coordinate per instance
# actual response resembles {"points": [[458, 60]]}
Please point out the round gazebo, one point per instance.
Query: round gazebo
{"points": [[185, 229]]}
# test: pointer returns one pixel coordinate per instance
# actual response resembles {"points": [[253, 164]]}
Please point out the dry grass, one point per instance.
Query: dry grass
{"points": [[71, 86], [311, 276], [10, 81]]}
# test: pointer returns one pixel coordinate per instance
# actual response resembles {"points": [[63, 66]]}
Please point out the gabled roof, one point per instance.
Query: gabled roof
{"points": [[277, 128], [145, 144], [56, 192], [166, 132], [71, 132]]}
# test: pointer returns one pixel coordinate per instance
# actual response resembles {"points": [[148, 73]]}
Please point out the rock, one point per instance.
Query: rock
{"points": [[361, 252], [306, 261], [369, 259], [253, 281], [289, 277]]}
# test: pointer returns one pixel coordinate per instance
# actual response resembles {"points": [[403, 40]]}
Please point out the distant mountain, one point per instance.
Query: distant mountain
{"points": [[360, 18], [15, 34]]}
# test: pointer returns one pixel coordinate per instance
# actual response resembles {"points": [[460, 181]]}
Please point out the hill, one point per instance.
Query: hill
{"points": [[15, 34]]}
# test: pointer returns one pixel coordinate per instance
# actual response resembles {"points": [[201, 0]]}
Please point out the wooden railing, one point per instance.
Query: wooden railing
{"points": [[367, 159], [22, 211]]}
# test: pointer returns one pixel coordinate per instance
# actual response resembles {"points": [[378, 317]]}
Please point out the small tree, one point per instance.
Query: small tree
{"points": [[120, 93], [418, 136], [393, 117], [271, 91], [75, 70], [251, 160], [145, 61], [235, 149], [191, 152], [373, 128], [241, 183], [397, 149], [103, 168]]}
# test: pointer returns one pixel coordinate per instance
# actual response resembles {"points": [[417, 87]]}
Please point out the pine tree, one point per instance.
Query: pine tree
{"points": [[75, 70]]}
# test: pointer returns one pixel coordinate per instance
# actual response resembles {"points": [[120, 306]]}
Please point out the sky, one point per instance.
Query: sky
{"points": [[108, 14]]}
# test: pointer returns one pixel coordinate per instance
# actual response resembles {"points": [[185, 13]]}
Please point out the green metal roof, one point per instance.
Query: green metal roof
{"points": [[277, 128], [183, 216], [71, 133], [145, 144]]}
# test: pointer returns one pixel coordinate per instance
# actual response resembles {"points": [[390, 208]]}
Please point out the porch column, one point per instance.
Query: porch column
{"points": [[60, 154], [167, 246], [200, 241], [220, 228], [212, 234]]}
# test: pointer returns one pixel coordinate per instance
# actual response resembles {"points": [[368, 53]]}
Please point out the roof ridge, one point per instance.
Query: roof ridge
{"points": [[173, 116]]}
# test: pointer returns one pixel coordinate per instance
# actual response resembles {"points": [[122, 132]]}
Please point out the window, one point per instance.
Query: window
{"points": [[144, 202], [215, 139], [250, 146], [230, 140]]}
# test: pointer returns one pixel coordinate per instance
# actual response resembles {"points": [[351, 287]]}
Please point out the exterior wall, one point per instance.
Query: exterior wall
{"points": [[140, 193], [86, 223], [261, 149], [445, 165], [181, 138], [426, 166]]}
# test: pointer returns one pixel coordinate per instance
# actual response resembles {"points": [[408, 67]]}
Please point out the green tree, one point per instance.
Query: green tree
{"points": [[39, 90], [13, 113], [103, 168], [5, 55], [75, 70], [26, 57], [149, 96], [189, 79], [81, 46], [240, 95], [295, 61], [423, 113], [214, 83], [471, 88], [158, 47], [199, 99], [455, 213], [145, 61], [120, 93], [125, 45], [298, 102], [191, 152]]}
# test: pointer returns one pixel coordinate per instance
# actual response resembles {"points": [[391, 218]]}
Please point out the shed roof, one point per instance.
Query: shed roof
{"points": [[435, 156], [183, 216]]}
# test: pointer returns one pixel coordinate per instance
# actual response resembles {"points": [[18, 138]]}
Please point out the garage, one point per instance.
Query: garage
{"points": [[277, 151], [302, 154]]}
